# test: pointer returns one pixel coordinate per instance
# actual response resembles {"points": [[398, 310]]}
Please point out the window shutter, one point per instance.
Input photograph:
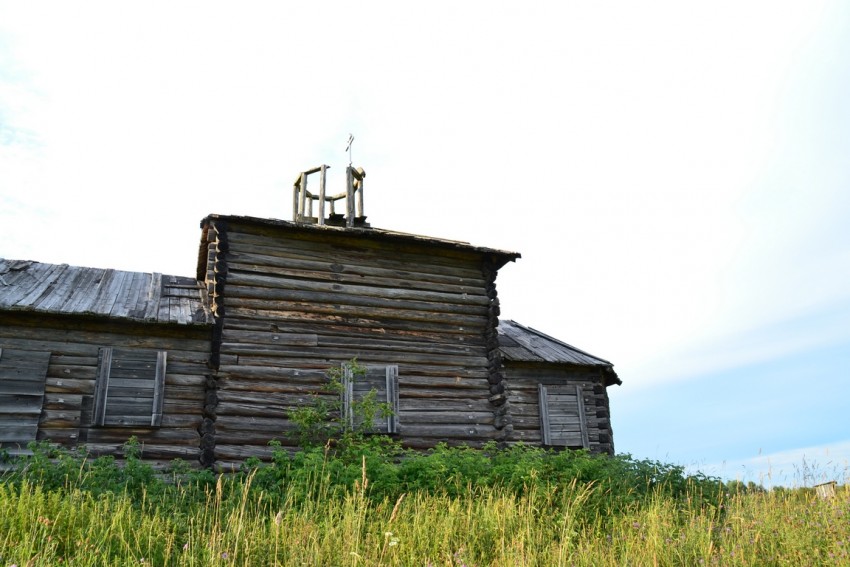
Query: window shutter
{"points": [[563, 421], [130, 388], [22, 378], [382, 379]]}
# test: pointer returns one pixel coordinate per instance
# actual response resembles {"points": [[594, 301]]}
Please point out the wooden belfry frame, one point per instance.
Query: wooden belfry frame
{"points": [[302, 199]]}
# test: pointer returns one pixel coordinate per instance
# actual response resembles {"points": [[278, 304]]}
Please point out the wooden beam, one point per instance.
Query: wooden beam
{"points": [[322, 196]]}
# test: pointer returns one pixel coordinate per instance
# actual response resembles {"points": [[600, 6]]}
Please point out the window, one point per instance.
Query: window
{"points": [[130, 387], [562, 416], [22, 378], [356, 387]]}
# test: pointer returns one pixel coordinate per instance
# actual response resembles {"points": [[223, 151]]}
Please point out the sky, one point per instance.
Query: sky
{"points": [[675, 175]]}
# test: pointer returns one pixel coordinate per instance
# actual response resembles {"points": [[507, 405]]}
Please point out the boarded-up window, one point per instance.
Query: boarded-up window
{"points": [[22, 378], [562, 416], [130, 388], [384, 381]]}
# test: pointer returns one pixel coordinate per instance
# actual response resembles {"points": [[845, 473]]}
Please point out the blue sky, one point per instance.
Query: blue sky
{"points": [[674, 175]]}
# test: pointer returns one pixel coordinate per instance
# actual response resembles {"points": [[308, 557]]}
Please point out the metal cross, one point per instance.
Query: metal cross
{"points": [[348, 147]]}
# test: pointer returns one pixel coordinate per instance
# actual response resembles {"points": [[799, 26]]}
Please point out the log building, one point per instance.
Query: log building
{"points": [[209, 368]]}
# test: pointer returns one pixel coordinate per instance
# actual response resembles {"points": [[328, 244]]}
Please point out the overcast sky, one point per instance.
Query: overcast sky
{"points": [[675, 176]]}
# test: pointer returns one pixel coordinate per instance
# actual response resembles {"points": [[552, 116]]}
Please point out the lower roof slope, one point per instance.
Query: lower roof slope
{"points": [[524, 344], [62, 289]]}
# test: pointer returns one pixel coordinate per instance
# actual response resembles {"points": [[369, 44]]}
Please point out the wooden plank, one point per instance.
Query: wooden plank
{"points": [[47, 274], [102, 386], [80, 299], [379, 277], [73, 371], [86, 343], [343, 265], [22, 382], [108, 291], [250, 279], [361, 333], [436, 416], [229, 423], [544, 414], [425, 256], [247, 352], [60, 418], [328, 316], [565, 422], [17, 434], [270, 338], [21, 404], [585, 440], [62, 402], [159, 389], [251, 296]]}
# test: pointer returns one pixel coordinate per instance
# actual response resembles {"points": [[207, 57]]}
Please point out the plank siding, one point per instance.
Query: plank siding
{"points": [[22, 379], [297, 303], [72, 347], [524, 378]]}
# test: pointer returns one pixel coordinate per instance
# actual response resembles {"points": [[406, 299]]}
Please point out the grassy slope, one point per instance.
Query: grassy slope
{"points": [[80, 513]]}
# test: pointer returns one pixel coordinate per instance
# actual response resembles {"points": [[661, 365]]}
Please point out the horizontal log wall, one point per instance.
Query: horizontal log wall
{"points": [[522, 380], [72, 371], [296, 304]]}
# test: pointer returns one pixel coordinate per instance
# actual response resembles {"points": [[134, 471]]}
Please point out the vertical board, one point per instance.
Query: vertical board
{"points": [[101, 387], [392, 398], [159, 389], [544, 414]]}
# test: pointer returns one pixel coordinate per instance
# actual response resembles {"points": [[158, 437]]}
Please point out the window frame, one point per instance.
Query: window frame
{"points": [[388, 425], [558, 439], [100, 411]]}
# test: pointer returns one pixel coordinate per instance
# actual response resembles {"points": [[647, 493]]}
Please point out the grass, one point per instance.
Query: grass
{"points": [[314, 510]]}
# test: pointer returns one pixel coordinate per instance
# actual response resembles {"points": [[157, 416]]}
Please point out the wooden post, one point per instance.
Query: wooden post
{"points": [[349, 197], [360, 199], [295, 187], [322, 196], [303, 196]]}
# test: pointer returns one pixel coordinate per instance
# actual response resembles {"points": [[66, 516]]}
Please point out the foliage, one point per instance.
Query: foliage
{"points": [[372, 503], [323, 419]]}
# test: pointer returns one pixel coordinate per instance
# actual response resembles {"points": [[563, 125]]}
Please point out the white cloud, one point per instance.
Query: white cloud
{"points": [[803, 466], [671, 173]]}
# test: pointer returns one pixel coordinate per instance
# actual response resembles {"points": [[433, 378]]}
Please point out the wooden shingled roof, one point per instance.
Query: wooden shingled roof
{"points": [[63, 289], [524, 344]]}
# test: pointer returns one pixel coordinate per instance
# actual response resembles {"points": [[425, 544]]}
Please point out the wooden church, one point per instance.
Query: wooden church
{"points": [[209, 368]]}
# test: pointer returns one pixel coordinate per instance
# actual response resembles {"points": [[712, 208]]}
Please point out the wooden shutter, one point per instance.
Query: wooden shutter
{"points": [[562, 417], [22, 378], [382, 379], [130, 388]]}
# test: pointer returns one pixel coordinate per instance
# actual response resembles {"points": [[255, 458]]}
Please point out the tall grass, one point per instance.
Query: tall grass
{"points": [[249, 519]]}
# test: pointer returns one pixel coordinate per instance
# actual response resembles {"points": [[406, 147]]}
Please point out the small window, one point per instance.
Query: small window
{"points": [[22, 378], [130, 388], [384, 381], [562, 416]]}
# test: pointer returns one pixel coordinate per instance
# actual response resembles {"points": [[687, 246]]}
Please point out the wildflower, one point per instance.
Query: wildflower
{"points": [[186, 546], [224, 555]]}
